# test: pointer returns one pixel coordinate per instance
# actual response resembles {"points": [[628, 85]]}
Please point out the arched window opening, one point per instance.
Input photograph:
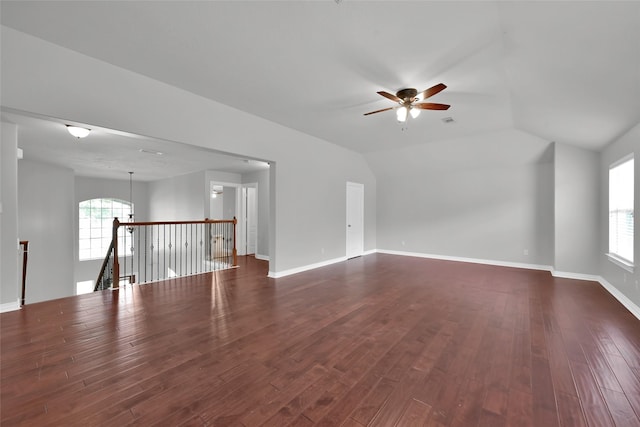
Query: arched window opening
{"points": [[96, 226]]}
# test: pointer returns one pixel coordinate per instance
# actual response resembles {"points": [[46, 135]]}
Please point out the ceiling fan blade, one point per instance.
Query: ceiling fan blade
{"points": [[390, 96], [432, 91], [379, 111], [431, 106]]}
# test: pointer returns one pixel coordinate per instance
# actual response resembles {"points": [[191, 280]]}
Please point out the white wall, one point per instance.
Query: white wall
{"points": [[225, 177], [487, 197], [45, 205], [577, 239], [87, 188], [307, 206], [229, 203], [181, 198], [10, 279], [216, 210], [625, 282]]}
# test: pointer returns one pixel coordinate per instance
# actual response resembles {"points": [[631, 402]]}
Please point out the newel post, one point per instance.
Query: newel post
{"points": [[25, 253], [116, 264], [235, 251]]}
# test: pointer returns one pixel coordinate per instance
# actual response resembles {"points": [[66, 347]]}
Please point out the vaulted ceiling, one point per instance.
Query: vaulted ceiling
{"points": [[566, 71]]}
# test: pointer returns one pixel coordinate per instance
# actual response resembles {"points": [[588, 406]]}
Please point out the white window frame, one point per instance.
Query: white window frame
{"points": [[100, 233], [613, 254]]}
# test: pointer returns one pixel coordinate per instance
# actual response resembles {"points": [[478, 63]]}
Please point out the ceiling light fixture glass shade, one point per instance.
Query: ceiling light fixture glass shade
{"points": [[414, 113], [401, 114], [77, 131]]}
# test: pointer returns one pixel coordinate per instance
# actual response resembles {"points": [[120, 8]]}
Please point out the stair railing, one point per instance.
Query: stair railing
{"points": [[105, 277], [143, 252]]}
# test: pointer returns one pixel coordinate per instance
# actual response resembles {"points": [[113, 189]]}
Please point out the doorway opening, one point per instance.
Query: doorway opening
{"points": [[229, 200]]}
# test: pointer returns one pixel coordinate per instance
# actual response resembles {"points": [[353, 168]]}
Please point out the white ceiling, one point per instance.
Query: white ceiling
{"points": [[106, 153], [565, 71]]}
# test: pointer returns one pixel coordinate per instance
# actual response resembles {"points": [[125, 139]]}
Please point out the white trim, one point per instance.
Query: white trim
{"points": [[575, 276], [278, 274], [262, 257], [612, 256], [622, 298], [470, 260], [10, 306], [620, 262], [622, 160]]}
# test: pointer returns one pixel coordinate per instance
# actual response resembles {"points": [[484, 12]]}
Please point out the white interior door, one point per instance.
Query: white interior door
{"points": [[252, 220], [355, 219]]}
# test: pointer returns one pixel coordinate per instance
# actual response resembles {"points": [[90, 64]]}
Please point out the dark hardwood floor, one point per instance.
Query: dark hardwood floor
{"points": [[381, 340]]}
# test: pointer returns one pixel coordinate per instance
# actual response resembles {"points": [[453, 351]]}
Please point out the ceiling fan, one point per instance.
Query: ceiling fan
{"points": [[410, 101]]}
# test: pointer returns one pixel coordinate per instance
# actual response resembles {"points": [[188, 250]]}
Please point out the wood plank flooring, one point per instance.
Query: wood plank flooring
{"points": [[380, 340]]}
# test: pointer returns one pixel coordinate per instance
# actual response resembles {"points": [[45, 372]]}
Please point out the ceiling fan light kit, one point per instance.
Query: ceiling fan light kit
{"points": [[410, 102], [401, 114]]}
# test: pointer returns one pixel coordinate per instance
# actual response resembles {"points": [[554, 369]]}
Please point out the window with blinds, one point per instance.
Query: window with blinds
{"points": [[621, 211]]}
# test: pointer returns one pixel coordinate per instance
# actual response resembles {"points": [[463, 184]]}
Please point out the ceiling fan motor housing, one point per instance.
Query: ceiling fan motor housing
{"points": [[407, 95]]}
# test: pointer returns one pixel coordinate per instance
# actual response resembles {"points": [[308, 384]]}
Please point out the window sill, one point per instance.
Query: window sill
{"points": [[620, 262]]}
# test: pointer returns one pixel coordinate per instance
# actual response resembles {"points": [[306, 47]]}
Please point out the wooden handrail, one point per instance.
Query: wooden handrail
{"points": [[25, 252], [205, 221], [113, 251]]}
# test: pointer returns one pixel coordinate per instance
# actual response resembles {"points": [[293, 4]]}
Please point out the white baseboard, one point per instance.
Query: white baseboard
{"points": [[622, 298], [576, 276], [10, 306], [469, 260], [626, 302], [262, 257], [277, 275]]}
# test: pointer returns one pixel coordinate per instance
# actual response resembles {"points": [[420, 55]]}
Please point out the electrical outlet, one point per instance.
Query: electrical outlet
{"points": [[526, 251], [403, 243], [321, 250]]}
